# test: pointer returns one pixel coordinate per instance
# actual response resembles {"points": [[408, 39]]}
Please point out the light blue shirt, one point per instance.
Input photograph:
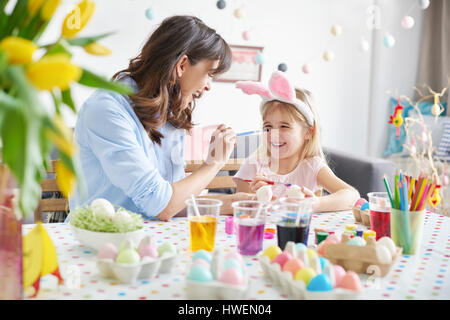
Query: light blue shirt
{"points": [[119, 161]]}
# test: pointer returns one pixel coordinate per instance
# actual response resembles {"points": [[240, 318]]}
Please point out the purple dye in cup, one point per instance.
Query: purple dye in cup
{"points": [[250, 239]]}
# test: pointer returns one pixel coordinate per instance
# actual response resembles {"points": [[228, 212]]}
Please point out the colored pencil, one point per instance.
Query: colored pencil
{"points": [[425, 192], [411, 188], [396, 200], [405, 195], [422, 187], [388, 190]]}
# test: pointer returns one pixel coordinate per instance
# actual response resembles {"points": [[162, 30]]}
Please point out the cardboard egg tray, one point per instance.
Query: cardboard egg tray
{"points": [[296, 289], [362, 216], [129, 273]]}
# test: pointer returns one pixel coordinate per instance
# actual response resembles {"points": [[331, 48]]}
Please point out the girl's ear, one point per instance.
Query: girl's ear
{"points": [[181, 65]]}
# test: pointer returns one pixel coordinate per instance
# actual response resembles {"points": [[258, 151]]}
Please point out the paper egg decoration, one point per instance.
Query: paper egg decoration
{"points": [[328, 56], [407, 22], [259, 58], [221, 4], [238, 13], [423, 4], [200, 273], [306, 68], [364, 45], [336, 30], [388, 41], [282, 67], [246, 35], [149, 14]]}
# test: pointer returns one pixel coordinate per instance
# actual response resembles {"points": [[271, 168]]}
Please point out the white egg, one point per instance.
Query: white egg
{"points": [[121, 217], [388, 243], [102, 208], [264, 194], [383, 254], [295, 191]]}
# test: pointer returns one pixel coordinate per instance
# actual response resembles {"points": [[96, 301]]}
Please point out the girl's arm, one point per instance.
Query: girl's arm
{"points": [[342, 196]]}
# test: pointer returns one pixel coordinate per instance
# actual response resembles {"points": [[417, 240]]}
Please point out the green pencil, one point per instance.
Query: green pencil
{"points": [[388, 191]]}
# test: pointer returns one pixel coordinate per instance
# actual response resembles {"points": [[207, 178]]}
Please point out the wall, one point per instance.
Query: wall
{"points": [[350, 90]]}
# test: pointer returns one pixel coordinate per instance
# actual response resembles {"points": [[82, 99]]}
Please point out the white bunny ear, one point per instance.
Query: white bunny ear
{"points": [[281, 87], [252, 87]]}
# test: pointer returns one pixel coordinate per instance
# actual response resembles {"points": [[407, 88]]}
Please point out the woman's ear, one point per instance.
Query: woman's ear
{"points": [[181, 65]]}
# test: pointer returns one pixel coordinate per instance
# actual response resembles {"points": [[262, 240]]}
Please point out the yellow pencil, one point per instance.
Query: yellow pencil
{"points": [[419, 196], [411, 187]]}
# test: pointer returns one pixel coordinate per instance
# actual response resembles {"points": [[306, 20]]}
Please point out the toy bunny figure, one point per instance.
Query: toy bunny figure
{"points": [[290, 152]]}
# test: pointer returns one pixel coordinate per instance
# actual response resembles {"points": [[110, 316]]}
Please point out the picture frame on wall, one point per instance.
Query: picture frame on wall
{"points": [[244, 65]]}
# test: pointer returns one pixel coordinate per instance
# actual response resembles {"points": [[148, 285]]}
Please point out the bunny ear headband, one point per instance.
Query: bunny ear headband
{"points": [[280, 89]]}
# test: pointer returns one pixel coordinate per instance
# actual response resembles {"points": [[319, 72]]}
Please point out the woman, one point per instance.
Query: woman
{"points": [[132, 148]]}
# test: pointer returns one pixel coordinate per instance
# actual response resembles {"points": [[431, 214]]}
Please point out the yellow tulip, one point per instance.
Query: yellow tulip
{"points": [[49, 8], [63, 139], [53, 71], [78, 18], [18, 50], [97, 49], [34, 6], [65, 179]]}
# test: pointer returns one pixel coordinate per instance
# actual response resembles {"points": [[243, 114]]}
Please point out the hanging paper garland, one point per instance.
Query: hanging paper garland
{"points": [[259, 58], [328, 56], [306, 68], [282, 67], [423, 4], [364, 44], [407, 22], [238, 13], [246, 35], [221, 4], [149, 14], [336, 30], [388, 41]]}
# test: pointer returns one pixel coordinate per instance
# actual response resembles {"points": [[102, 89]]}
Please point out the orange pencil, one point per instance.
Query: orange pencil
{"points": [[429, 194], [419, 197], [416, 191]]}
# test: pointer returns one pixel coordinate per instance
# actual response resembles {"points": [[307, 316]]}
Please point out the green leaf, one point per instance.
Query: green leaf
{"points": [[59, 47], [87, 40], [92, 80], [7, 102], [16, 18], [3, 61], [67, 100]]}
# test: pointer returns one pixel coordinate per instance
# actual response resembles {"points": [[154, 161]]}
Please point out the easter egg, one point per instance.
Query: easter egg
{"points": [[350, 281], [319, 283], [203, 254], [311, 254], [305, 274], [221, 4], [282, 67], [407, 22], [129, 256], [102, 208], [121, 217], [232, 276], [336, 30], [149, 14], [295, 191], [388, 243], [328, 270], [259, 58], [328, 56], [323, 262], [232, 263], [388, 41], [148, 251], [306, 68], [339, 273], [282, 258], [234, 255], [202, 262], [383, 254], [166, 247], [423, 4], [272, 251], [200, 273], [365, 206], [300, 247], [108, 251], [357, 241], [293, 265], [360, 202], [264, 194]]}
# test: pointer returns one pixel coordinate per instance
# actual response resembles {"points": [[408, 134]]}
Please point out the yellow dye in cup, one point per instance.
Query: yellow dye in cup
{"points": [[202, 232]]}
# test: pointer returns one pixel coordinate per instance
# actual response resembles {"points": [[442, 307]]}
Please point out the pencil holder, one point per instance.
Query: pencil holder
{"points": [[407, 229]]}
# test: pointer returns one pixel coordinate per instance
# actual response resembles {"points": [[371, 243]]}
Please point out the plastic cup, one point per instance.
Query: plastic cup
{"points": [[250, 225], [407, 229], [380, 213], [202, 228], [293, 217]]}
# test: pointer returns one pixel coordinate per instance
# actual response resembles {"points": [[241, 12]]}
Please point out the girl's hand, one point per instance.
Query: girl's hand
{"points": [[258, 181], [308, 193], [223, 141]]}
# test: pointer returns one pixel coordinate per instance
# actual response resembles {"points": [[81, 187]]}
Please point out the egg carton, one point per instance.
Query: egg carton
{"points": [[147, 268], [296, 289], [216, 290], [362, 216]]}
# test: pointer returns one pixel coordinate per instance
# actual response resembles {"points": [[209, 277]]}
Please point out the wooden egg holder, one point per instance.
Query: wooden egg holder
{"points": [[362, 216], [360, 259]]}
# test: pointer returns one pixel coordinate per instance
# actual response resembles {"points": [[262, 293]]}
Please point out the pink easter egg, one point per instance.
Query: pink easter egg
{"points": [[148, 251], [293, 265], [201, 261], [108, 251], [234, 255], [339, 274], [350, 281], [232, 276], [282, 258], [360, 202], [332, 238]]}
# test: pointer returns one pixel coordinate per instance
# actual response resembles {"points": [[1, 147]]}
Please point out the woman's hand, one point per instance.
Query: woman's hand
{"points": [[258, 181], [223, 141], [230, 198]]}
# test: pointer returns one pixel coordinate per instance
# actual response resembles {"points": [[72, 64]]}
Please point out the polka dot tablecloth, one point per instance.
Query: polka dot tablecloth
{"points": [[425, 275]]}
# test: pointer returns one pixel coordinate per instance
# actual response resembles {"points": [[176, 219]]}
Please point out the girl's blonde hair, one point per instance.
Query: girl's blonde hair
{"points": [[312, 146]]}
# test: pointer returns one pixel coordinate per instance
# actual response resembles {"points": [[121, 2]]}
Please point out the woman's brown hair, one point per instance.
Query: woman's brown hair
{"points": [[159, 98]]}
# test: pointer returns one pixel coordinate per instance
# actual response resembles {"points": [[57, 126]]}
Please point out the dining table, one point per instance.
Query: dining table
{"points": [[423, 276]]}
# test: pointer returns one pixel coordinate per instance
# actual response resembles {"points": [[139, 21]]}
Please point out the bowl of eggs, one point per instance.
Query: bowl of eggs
{"points": [[216, 276], [101, 223], [301, 274], [127, 263]]}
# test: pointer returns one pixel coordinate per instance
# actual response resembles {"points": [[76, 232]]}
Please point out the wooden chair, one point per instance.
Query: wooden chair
{"points": [[50, 204]]}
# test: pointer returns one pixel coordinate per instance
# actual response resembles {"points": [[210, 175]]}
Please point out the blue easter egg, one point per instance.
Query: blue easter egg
{"points": [[356, 241], [300, 247], [149, 14], [259, 58], [323, 262], [320, 283], [232, 263], [365, 206], [203, 254], [200, 273]]}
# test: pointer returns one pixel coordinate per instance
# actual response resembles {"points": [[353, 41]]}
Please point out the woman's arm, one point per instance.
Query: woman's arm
{"points": [[342, 196]]}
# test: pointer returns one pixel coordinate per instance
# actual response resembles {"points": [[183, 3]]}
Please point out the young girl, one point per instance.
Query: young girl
{"points": [[290, 152]]}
